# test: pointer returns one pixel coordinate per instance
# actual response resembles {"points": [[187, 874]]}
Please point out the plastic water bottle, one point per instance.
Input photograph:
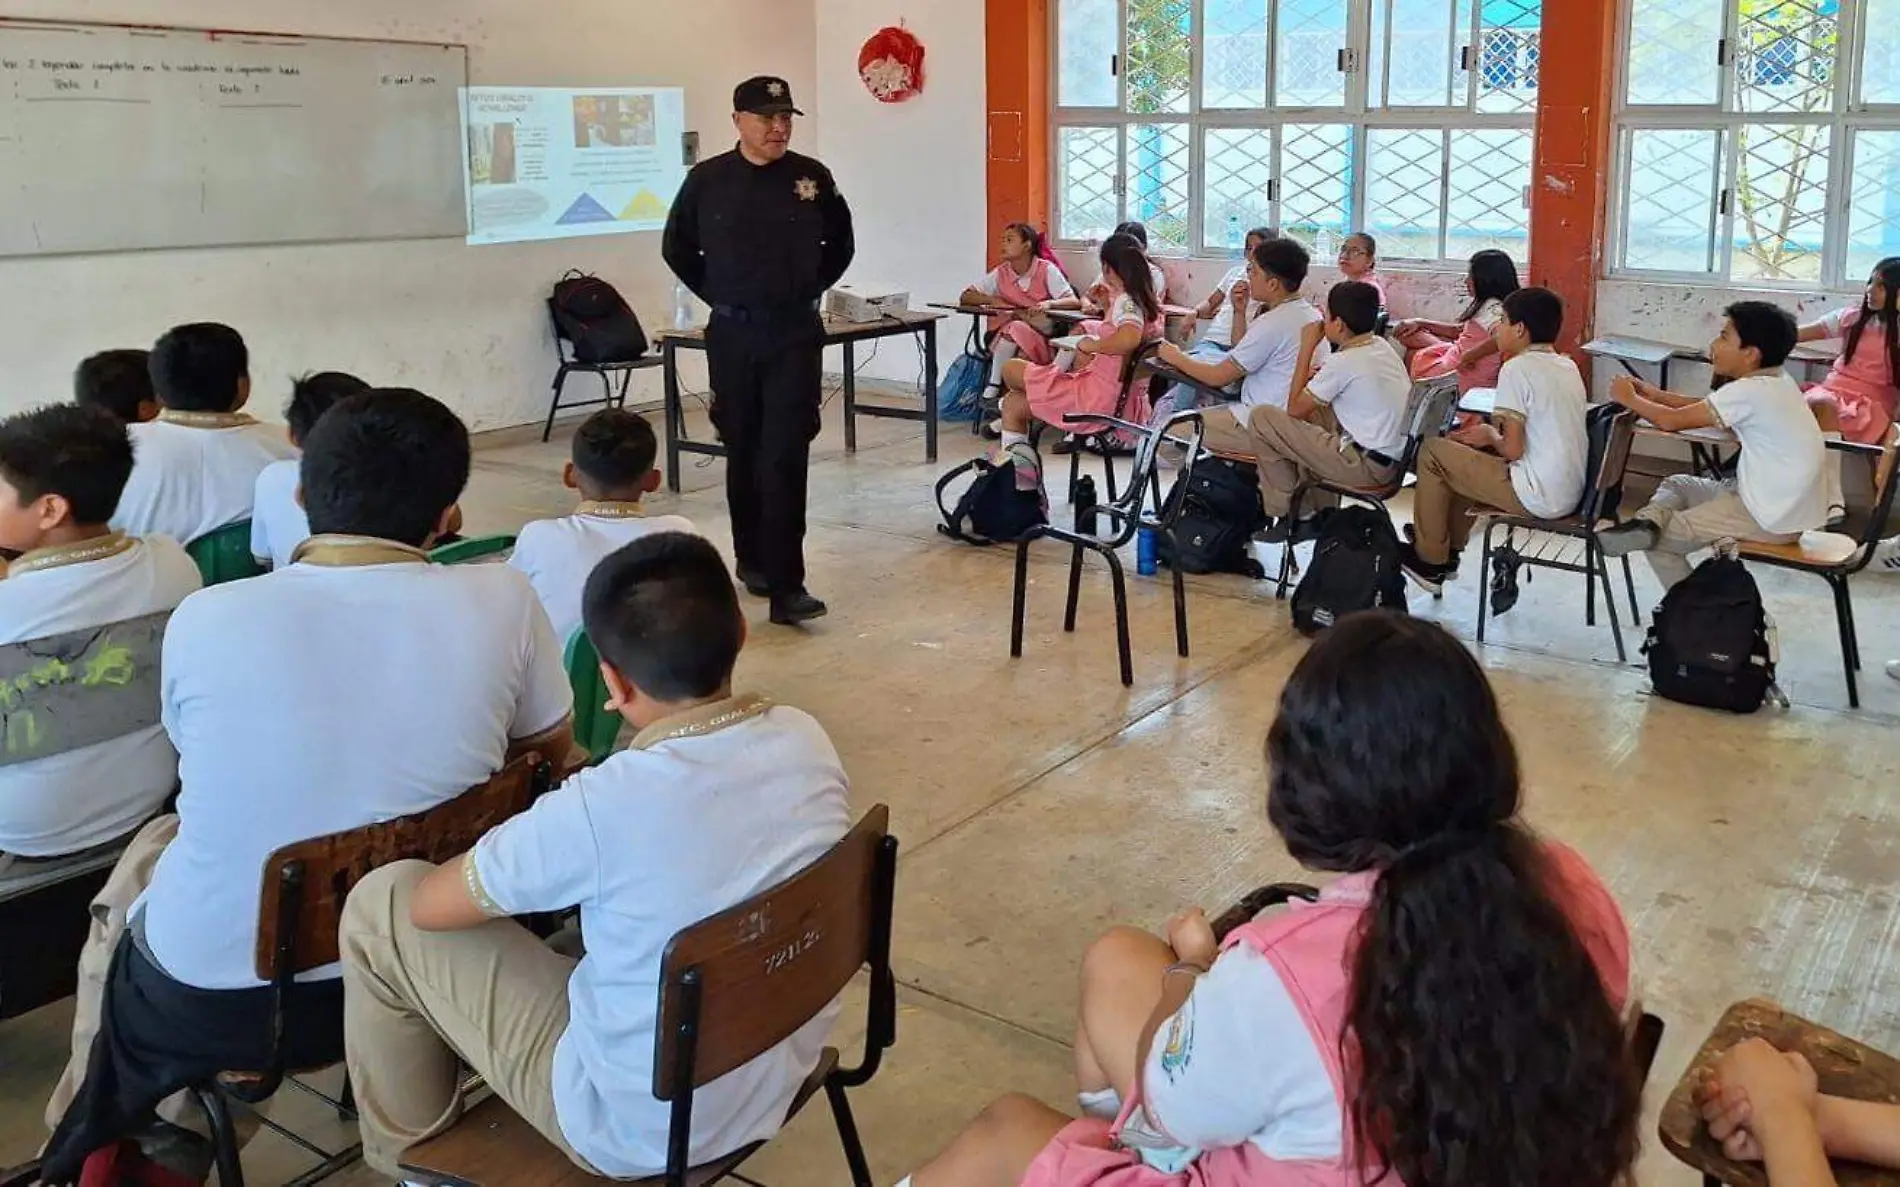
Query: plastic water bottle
{"points": [[1235, 241], [1147, 552], [1086, 500], [1323, 246], [684, 314]]}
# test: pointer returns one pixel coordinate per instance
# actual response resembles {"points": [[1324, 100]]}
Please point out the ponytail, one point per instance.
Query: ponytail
{"points": [[1888, 272]]}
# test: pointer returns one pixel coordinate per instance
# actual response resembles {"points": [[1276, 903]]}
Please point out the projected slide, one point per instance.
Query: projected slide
{"points": [[551, 163]]}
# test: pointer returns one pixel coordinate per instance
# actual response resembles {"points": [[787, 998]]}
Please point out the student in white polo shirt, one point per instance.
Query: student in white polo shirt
{"points": [[1275, 355], [197, 464], [61, 471], [278, 523], [719, 798], [358, 685], [1778, 490], [612, 468]]}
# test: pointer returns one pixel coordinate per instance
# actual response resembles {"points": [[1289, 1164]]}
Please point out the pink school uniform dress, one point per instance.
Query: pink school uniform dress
{"points": [[1442, 358], [1863, 386], [1307, 947], [1044, 282], [1097, 386]]}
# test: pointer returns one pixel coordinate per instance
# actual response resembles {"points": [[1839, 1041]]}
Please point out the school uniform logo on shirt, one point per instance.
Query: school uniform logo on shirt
{"points": [[806, 189]]}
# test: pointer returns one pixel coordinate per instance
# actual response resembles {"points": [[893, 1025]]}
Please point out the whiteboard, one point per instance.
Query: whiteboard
{"points": [[115, 138]]}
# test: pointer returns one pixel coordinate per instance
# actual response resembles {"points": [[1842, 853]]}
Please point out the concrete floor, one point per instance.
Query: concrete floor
{"points": [[1038, 801]]}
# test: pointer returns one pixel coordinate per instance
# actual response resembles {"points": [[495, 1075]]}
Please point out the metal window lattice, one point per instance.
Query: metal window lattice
{"points": [[1316, 187], [1489, 172], [1311, 34], [1088, 206], [1785, 55], [1874, 202], [1158, 183], [1509, 53], [1405, 172], [1160, 55], [1239, 164], [1780, 201], [1670, 191]]}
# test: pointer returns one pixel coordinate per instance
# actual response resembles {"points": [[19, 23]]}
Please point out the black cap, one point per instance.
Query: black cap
{"points": [[764, 95]]}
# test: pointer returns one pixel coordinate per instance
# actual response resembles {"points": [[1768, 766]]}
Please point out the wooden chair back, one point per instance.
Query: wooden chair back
{"points": [[305, 884], [736, 985], [76, 689]]}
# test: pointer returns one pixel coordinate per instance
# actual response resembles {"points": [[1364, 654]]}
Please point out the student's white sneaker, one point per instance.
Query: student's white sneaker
{"points": [[1893, 668], [1887, 555], [1635, 535]]}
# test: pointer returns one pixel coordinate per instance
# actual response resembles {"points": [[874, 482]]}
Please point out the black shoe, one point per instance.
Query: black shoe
{"points": [[754, 582], [792, 609], [1065, 446], [1422, 573], [1636, 535]]}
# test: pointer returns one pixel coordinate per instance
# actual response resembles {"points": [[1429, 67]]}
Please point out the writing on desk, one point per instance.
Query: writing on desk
{"points": [[409, 80]]}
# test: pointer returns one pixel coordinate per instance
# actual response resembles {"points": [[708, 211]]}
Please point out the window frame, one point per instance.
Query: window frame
{"points": [[1846, 118], [1356, 112]]}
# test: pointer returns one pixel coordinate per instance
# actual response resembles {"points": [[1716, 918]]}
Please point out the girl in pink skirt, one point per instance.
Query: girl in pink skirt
{"points": [[1048, 392], [1465, 347], [1028, 281], [1448, 1014], [1856, 400]]}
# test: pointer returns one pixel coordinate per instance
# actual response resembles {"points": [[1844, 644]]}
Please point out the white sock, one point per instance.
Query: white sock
{"points": [[905, 1182], [1831, 475], [1105, 1105], [1001, 351], [1010, 438]]}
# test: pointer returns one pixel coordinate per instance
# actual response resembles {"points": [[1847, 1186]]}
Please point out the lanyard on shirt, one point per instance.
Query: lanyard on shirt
{"points": [[61, 555]]}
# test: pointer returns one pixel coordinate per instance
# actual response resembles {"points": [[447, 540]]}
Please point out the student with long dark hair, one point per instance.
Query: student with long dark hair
{"points": [[1448, 1014], [1027, 283], [1465, 347], [1856, 400]]}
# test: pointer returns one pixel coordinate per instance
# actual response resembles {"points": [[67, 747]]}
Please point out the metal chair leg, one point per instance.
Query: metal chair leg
{"points": [[1629, 583], [1853, 624], [1075, 470], [848, 1134], [1286, 550], [1180, 606], [1842, 617], [1602, 570], [1484, 578], [1121, 617], [1075, 589], [223, 1135], [1020, 608], [1107, 447], [1590, 580], [554, 404]]}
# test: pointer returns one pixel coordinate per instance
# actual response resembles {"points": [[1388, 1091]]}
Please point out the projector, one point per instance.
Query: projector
{"points": [[863, 302]]}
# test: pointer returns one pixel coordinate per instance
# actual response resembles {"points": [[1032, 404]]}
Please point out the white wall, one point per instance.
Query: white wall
{"points": [[913, 172], [464, 324], [1691, 315]]}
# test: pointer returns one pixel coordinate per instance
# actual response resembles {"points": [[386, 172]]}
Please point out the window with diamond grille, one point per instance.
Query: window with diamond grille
{"points": [[1410, 118], [1738, 119]]}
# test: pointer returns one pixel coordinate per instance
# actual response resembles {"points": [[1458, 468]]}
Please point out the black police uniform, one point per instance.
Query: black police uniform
{"points": [[761, 244]]}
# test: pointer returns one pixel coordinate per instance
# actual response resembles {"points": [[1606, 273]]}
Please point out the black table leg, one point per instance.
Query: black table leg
{"points": [[669, 353], [930, 392], [850, 397]]}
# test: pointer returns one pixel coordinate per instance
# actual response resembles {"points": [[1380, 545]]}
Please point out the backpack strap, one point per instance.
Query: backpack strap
{"points": [[953, 521]]}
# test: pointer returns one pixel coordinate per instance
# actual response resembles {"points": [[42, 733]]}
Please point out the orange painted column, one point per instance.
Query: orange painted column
{"points": [[1570, 167], [1017, 32]]}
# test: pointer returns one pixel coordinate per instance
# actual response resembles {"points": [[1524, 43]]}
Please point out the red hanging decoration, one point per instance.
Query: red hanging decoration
{"points": [[892, 65]]}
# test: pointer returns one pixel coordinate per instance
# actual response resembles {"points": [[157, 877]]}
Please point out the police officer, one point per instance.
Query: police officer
{"points": [[760, 233]]}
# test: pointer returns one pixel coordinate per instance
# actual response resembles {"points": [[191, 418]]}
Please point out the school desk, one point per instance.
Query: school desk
{"points": [[1812, 356], [1629, 351], [845, 334], [1705, 445]]}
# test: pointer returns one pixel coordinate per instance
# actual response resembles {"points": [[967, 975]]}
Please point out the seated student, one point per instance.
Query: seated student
{"points": [[719, 798], [1464, 347], [1777, 492], [1048, 393], [1455, 942], [1274, 356], [61, 470], [1098, 297], [278, 523], [1028, 279], [119, 381], [1225, 313], [1765, 1106], [612, 468], [1532, 458], [197, 464], [1359, 260], [1347, 425], [357, 685], [1857, 400]]}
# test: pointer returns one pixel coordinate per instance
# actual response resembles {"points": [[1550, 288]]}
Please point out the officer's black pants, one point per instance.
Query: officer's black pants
{"points": [[767, 391]]}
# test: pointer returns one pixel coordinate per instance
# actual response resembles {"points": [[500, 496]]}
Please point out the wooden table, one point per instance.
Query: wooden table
{"points": [[845, 334], [1846, 1068], [1629, 351]]}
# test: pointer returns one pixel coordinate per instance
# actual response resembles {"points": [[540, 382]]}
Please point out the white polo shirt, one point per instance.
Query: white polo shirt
{"points": [[66, 803], [1545, 390], [558, 555], [1367, 388], [195, 473], [1779, 475], [322, 697], [278, 521], [1269, 352], [704, 811], [1220, 327]]}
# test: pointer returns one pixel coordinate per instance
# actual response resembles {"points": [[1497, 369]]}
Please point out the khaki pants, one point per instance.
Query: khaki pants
{"points": [[1289, 451], [415, 1000], [1693, 513], [1453, 480]]}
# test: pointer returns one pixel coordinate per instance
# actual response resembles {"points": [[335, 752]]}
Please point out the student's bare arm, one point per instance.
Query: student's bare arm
{"points": [[1512, 440], [442, 901], [1444, 329], [1303, 368], [1860, 1130], [1814, 331], [974, 296], [1303, 404], [1219, 373], [1478, 353], [1674, 417], [1125, 340]]}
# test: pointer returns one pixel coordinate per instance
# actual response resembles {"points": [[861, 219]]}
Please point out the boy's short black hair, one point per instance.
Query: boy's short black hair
{"points": [[1285, 259], [80, 453], [199, 367], [118, 381], [615, 449], [1261, 233], [1765, 326], [386, 463], [1539, 311], [1356, 303], [314, 395], [663, 613]]}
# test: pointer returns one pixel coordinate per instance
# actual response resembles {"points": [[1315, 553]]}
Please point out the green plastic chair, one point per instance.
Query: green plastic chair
{"points": [[596, 727], [474, 548], [225, 555]]}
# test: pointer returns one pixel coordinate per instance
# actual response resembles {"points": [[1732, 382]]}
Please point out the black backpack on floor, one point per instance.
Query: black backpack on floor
{"points": [[593, 316], [994, 510], [1355, 567], [1220, 512], [1711, 642]]}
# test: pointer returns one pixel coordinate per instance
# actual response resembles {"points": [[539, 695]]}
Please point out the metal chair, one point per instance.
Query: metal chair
{"points": [[1102, 441], [596, 727], [1126, 514], [1429, 410], [564, 351], [1834, 556], [473, 548], [225, 555], [732, 987], [1611, 439]]}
